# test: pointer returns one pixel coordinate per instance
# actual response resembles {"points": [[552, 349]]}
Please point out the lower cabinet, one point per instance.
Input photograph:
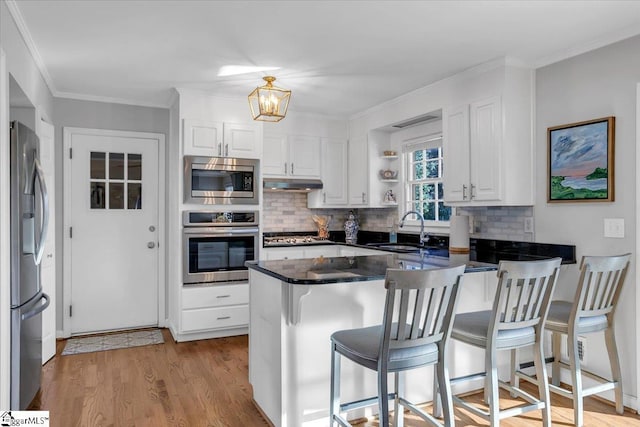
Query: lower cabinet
{"points": [[299, 252], [214, 311]]}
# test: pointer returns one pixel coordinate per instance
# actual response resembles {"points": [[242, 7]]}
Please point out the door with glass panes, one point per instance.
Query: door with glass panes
{"points": [[113, 232]]}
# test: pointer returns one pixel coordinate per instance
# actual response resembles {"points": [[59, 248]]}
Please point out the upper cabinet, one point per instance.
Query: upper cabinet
{"points": [[333, 174], [358, 171], [291, 156], [488, 147], [209, 138]]}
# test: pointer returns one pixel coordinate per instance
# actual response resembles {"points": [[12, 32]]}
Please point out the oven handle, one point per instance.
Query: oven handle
{"points": [[221, 231]]}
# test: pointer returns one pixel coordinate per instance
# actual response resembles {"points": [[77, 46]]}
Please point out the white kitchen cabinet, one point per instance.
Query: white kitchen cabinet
{"points": [[209, 138], [488, 147], [299, 252], [291, 156], [214, 311], [358, 171], [334, 167]]}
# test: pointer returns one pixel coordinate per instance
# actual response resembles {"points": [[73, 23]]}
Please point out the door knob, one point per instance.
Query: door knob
{"points": [[151, 245], [152, 228]]}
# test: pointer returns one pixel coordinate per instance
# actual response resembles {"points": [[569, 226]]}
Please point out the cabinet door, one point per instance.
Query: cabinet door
{"points": [[455, 146], [242, 140], [275, 160], [485, 142], [334, 172], [281, 253], [202, 138], [358, 171], [304, 156]]}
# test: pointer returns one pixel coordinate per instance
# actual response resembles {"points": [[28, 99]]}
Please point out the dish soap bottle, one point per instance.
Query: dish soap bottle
{"points": [[393, 234]]}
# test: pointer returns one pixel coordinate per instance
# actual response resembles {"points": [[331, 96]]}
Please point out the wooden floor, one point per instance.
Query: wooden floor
{"points": [[205, 383]]}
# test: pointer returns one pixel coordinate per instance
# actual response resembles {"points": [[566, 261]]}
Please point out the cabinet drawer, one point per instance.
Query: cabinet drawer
{"points": [[215, 296], [215, 318]]}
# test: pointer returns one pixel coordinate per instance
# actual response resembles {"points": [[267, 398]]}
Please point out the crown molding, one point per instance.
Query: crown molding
{"points": [[614, 37], [14, 10], [110, 100]]}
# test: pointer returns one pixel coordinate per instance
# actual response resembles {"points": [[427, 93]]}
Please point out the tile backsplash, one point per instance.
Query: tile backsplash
{"points": [[499, 222], [284, 211]]}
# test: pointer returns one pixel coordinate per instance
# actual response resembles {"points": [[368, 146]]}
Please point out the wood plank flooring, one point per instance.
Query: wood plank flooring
{"points": [[205, 383]]}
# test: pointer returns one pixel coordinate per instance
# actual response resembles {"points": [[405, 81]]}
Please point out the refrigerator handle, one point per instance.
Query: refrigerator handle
{"points": [[45, 211], [39, 309]]}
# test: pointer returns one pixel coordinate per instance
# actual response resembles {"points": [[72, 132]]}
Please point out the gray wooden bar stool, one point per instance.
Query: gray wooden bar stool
{"points": [[592, 310], [519, 310], [416, 325]]}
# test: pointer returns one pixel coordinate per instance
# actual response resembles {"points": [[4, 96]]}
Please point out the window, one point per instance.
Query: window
{"points": [[107, 191], [424, 188]]}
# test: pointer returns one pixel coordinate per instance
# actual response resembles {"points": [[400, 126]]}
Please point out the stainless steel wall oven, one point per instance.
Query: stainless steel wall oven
{"points": [[221, 180], [217, 244]]}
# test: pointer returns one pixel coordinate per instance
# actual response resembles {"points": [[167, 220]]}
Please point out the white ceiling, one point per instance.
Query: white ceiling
{"points": [[338, 57]]}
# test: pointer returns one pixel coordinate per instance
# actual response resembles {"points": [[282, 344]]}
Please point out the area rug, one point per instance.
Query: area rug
{"points": [[112, 341]]}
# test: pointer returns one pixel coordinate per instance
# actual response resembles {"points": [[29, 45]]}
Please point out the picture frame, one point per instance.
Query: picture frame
{"points": [[581, 161]]}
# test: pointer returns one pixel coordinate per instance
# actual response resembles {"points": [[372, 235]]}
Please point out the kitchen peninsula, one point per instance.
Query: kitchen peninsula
{"points": [[295, 306]]}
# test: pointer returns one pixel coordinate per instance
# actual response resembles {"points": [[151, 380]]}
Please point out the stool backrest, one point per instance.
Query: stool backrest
{"points": [[419, 307], [523, 294], [600, 283]]}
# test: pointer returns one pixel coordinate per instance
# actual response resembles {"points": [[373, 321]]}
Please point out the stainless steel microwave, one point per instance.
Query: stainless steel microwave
{"points": [[221, 180]]}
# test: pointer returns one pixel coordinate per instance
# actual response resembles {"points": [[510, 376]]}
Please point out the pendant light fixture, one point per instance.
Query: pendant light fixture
{"points": [[269, 103]]}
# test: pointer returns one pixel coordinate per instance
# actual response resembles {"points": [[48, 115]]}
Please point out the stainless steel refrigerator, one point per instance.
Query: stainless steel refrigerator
{"points": [[29, 222]]}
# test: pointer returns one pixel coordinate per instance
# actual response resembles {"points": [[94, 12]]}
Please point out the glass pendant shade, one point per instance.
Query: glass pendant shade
{"points": [[269, 103]]}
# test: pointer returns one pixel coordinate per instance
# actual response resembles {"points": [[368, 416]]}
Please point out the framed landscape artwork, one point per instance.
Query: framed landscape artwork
{"points": [[581, 161]]}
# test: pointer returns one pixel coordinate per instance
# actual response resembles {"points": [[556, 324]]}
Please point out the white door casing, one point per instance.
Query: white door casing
{"points": [[113, 278], [45, 132]]}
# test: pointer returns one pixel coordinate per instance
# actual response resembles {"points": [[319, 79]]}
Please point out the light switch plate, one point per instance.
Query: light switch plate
{"points": [[614, 227]]}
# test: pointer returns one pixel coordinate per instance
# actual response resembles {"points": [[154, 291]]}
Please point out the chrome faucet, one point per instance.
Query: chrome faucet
{"points": [[424, 237]]}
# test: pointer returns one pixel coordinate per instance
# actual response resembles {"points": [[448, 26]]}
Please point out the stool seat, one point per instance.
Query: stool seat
{"points": [[363, 347], [560, 314], [473, 328]]}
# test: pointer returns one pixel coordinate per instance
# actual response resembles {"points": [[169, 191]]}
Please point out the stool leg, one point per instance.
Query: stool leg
{"points": [[491, 382], [576, 377], [334, 408], [444, 384], [515, 366], [383, 398], [398, 409], [543, 381], [555, 350], [612, 349], [437, 403]]}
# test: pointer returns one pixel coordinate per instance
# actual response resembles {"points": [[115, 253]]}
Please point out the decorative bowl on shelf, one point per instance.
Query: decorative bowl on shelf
{"points": [[389, 153], [388, 174]]}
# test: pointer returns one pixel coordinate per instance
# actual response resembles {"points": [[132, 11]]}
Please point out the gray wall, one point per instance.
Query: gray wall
{"points": [[94, 115], [592, 85]]}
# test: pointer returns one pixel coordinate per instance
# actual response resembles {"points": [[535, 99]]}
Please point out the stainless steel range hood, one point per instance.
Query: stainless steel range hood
{"points": [[291, 184]]}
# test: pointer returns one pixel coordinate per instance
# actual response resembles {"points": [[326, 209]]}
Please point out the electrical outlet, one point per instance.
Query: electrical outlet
{"points": [[528, 224]]}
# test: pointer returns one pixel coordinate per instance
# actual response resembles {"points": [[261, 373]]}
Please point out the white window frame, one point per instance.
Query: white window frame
{"points": [[408, 147]]}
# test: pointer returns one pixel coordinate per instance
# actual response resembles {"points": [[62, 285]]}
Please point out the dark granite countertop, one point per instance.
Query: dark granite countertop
{"points": [[317, 271], [481, 250]]}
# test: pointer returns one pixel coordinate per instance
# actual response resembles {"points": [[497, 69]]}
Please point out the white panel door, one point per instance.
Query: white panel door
{"points": [[304, 156], [202, 138], [275, 160], [334, 172], [485, 137], [48, 266], [455, 146], [242, 140], [114, 221], [358, 171]]}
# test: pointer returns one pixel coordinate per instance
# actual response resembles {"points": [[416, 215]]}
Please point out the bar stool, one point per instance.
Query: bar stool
{"points": [[416, 325], [519, 310], [592, 310]]}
